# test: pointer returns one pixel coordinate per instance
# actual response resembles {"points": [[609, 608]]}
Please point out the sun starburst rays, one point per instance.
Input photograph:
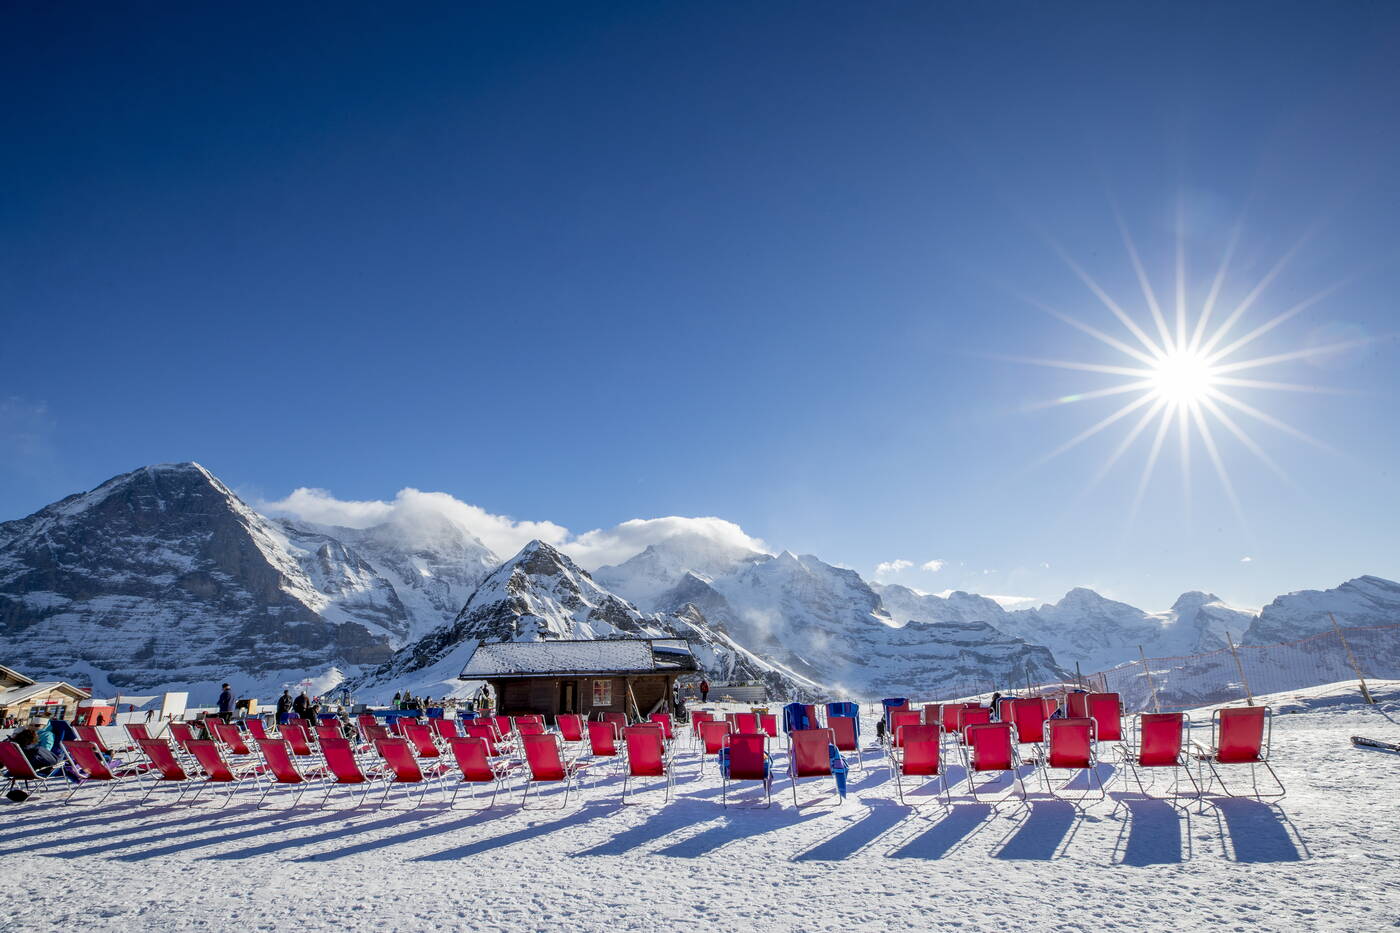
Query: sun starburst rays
{"points": [[1183, 378]]}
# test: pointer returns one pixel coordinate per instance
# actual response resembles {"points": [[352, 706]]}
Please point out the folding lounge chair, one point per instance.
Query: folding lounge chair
{"points": [[183, 734], [476, 766], [296, 735], [617, 719], [570, 727], [94, 735], [345, 771], [844, 733], [809, 755], [256, 727], [218, 771], [137, 731], [1240, 735], [443, 730], [89, 758], [486, 731], [327, 730], [697, 716], [231, 738], [950, 713], [1077, 705], [897, 720], [712, 736], [972, 715], [988, 748], [746, 759], [768, 724], [365, 721], [921, 756], [404, 769], [529, 727], [1106, 709], [281, 770], [420, 739], [664, 720], [743, 722], [1028, 718], [544, 756], [1161, 743], [604, 742], [18, 769], [166, 770], [1003, 709], [931, 714], [504, 726], [1070, 745], [647, 758]]}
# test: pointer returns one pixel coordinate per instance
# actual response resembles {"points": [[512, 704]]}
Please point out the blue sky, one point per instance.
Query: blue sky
{"points": [[586, 263]]}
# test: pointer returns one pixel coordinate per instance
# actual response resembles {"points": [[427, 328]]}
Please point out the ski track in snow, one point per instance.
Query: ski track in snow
{"points": [[1324, 858]]}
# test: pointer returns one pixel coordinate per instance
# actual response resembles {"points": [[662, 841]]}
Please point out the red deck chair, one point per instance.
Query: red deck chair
{"points": [[1028, 717], [486, 731], [1004, 708], [165, 769], [407, 771], [1240, 735], [899, 719], [420, 738], [504, 725], [698, 716], [89, 758], [950, 712], [768, 724], [183, 734], [256, 727], [1070, 745], [931, 714], [973, 715], [809, 755], [371, 732], [647, 757], [218, 771], [296, 735], [444, 730], [748, 761], [604, 742], [889, 717], [712, 737], [473, 757], [570, 727], [19, 770], [544, 756], [843, 729], [921, 756], [989, 748], [667, 727], [529, 727], [328, 730], [280, 768], [744, 722], [1077, 705], [344, 769], [811, 709], [364, 721], [1106, 709], [94, 735], [137, 731], [231, 737], [1161, 743], [617, 719]]}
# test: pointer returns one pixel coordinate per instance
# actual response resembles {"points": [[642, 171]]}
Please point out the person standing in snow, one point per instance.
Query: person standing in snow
{"points": [[226, 704], [284, 704], [398, 697], [704, 690], [301, 704]]}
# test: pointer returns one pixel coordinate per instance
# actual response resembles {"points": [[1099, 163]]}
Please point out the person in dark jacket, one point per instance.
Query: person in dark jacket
{"points": [[704, 690], [301, 704], [284, 704], [226, 704]]}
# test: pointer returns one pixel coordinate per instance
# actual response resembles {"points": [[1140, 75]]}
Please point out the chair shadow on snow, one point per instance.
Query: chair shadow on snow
{"points": [[592, 810], [738, 824], [880, 817], [1155, 832], [947, 833], [1043, 833], [1258, 832]]}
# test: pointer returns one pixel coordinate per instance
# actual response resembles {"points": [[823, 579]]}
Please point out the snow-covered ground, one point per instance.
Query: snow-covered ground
{"points": [[1325, 857]]}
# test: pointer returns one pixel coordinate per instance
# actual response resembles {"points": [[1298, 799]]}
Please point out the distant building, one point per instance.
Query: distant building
{"points": [[22, 697], [617, 675]]}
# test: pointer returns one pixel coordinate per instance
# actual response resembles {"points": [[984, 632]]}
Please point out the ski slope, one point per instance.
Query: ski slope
{"points": [[1323, 858]]}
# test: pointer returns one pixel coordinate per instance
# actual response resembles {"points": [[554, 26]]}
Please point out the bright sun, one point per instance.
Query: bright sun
{"points": [[1183, 377]]}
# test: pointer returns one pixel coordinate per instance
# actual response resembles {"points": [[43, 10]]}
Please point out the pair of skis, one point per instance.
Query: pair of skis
{"points": [[1363, 742]]}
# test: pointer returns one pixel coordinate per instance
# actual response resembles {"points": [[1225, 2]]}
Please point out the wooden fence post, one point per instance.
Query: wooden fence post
{"points": [[1365, 694], [1248, 694]]}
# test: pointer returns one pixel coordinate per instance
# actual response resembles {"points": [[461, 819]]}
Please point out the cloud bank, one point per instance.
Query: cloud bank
{"points": [[419, 514]]}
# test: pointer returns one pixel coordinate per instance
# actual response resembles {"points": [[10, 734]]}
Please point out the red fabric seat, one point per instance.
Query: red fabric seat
{"points": [[768, 724], [646, 756], [420, 740], [544, 757], [712, 734], [931, 714], [1028, 716], [296, 735], [1241, 736], [1070, 745], [972, 715], [1161, 743], [603, 739], [989, 747], [748, 761], [809, 755], [664, 720], [1106, 709], [570, 726], [475, 764], [920, 755], [1076, 705], [900, 718]]}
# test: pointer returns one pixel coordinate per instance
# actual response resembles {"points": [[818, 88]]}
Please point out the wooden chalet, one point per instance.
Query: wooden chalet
{"points": [[619, 675]]}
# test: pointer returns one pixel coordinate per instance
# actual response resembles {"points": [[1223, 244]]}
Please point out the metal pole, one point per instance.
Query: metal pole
{"points": [[1147, 669], [1365, 694], [1078, 677], [1248, 694]]}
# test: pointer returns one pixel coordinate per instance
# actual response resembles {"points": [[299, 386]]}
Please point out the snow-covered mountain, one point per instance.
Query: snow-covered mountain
{"points": [[1363, 601], [1085, 627], [163, 576], [646, 577], [540, 594]]}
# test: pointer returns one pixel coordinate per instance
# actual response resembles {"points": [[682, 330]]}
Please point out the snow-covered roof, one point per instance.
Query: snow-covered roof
{"points": [[593, 656], [20, 694]]}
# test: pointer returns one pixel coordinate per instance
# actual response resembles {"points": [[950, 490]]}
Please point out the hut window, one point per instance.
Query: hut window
{"points": [[602, 693]]}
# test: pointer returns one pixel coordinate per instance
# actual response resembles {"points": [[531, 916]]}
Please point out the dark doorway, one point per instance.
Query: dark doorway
{"points": [[568, 696]]}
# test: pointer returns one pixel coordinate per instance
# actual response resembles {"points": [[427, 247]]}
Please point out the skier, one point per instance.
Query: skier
{"points": [[704, 690]]}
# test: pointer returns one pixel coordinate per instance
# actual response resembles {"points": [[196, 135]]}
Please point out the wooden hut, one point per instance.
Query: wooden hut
{"points": [[22, 698], [621, 675]]}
